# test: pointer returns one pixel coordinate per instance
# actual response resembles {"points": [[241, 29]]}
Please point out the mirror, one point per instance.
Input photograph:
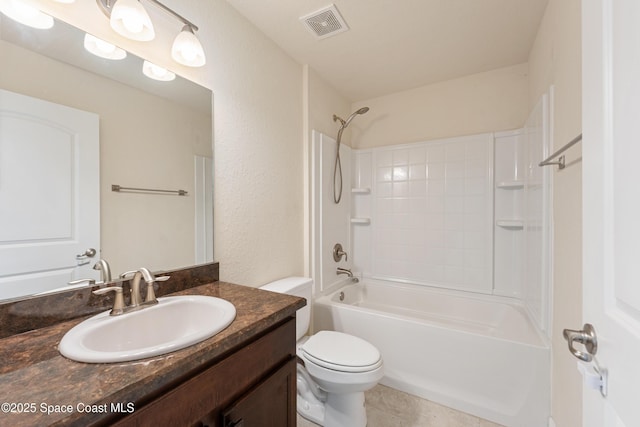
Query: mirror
{"points": [[153, 135]]}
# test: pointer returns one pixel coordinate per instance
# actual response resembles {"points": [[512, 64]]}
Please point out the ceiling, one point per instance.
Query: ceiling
{"points": [[395, 45]]}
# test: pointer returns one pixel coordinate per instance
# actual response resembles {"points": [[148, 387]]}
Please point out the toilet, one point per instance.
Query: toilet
{"points": [[334, 368]]}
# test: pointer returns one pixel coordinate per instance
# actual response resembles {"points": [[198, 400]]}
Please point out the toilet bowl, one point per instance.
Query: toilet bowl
{"points": [[334, 369]]}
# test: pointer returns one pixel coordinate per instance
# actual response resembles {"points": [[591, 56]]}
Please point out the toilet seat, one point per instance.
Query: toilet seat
{"points": [[341, 352]]}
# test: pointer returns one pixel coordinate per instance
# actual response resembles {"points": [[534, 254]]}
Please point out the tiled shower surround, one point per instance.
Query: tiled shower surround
{"points": [[430, 206]]}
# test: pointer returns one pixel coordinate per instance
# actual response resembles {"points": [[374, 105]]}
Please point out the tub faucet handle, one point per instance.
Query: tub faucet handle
{"points": [[338, 253]]}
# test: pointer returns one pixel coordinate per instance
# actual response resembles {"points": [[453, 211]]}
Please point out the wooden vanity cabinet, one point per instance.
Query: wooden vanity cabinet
{"points": [[252, 387]]}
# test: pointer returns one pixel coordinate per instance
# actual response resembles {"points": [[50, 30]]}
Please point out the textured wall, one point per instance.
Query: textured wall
{"points": [[555, 59]]}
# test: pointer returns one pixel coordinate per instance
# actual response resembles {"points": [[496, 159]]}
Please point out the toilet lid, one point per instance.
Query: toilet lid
{"points": [[341, 352]]}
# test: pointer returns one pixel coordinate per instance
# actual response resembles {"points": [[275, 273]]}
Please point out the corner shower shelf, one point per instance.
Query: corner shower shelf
{"points": [[365, 221], [510, 224], [510, 185], [365, 190]]}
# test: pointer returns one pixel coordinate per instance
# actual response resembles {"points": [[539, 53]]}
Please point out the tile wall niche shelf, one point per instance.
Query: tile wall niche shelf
{"points": [[365, 221], [365, 190], [510, 224], [510, 185]]}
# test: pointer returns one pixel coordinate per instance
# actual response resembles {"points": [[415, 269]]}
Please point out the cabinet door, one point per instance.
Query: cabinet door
{"points": [[272, 403]]}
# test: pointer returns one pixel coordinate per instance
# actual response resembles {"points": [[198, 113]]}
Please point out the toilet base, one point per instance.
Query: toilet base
{"points": [[340, 410], [329, 409], [308, 403], [310, 408], [345, 410]]}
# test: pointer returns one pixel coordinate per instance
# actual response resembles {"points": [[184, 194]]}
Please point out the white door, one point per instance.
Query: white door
{"points": [[49, 193], [611, 204]]}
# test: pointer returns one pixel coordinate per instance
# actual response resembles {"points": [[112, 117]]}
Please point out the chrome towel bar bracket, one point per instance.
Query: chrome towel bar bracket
{"points": [[560, 162]]}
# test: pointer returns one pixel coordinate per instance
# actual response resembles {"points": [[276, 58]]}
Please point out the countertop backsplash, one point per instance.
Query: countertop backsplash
{"points": [[34, 312]]}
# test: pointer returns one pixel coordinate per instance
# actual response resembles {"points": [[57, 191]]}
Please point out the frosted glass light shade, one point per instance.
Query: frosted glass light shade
{"points": [[102, 48], [156, 72], [130, 19], [187, 49], [26, 14]]}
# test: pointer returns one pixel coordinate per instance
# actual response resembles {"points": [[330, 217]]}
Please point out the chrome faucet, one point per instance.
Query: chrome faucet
{"points": [[135, 277], [105, 271], [348, 272]]}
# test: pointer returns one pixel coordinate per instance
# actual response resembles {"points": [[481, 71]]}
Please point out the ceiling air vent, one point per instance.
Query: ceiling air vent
{"points": [[325, 22]]}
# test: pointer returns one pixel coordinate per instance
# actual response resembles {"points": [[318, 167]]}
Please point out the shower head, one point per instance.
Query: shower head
{"points": [[345, 123]]}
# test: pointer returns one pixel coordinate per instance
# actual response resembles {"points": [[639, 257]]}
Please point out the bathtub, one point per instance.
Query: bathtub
{"points": [[474, 353]]}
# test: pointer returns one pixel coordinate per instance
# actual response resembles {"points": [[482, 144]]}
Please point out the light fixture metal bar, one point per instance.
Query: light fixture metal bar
{"points": [[107, 5], [175, 14]]}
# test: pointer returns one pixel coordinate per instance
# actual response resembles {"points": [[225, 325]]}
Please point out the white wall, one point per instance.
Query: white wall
{"points": [[258, 149], [484, 102], [556, 59]]}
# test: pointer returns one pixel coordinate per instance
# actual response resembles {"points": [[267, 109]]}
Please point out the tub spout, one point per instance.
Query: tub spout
{"points": [[348, 272]]}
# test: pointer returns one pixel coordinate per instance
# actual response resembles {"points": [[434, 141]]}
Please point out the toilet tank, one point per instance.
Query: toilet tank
{"points": [[299, 287]]}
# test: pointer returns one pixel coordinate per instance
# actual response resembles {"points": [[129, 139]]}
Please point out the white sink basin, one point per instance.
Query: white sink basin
{"points": [[172, 324]]}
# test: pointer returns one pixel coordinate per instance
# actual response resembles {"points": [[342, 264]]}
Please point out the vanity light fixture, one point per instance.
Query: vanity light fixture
{"points": [[102, 48], [26, 14], [130, 19], [187, 49], [156, 72]]}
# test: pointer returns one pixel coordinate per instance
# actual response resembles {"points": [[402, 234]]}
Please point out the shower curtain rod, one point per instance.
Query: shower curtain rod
{"points": [[560, 162]]}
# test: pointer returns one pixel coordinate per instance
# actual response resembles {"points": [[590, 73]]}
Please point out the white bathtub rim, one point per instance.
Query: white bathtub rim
{"points": [[543, 342], [411, 285], [443, 290], [413, 320]]}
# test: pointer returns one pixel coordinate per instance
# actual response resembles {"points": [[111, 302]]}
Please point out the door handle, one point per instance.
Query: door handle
{"points": [[89, 253], [585, 336]]}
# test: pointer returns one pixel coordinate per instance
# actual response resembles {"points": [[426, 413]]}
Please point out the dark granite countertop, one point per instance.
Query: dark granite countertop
{"points": [[34, 377]]}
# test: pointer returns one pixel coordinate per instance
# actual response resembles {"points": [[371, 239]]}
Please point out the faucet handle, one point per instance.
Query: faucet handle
{"points": [[118, 303], [338, 253], [128, 273], [150, 298]]}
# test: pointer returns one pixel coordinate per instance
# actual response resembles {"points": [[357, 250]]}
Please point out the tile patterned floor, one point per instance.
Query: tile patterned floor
{"points": [[387, 407]]}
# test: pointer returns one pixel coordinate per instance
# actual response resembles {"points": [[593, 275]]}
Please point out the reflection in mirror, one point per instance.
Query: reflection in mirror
{"points": [[152, 135]]}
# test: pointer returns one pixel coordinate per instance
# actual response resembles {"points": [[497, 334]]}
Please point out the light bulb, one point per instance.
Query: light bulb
{"points": [[156, 72], [130, 19], [26, 14], [132, 23], [102, 48], [187, 49]]}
